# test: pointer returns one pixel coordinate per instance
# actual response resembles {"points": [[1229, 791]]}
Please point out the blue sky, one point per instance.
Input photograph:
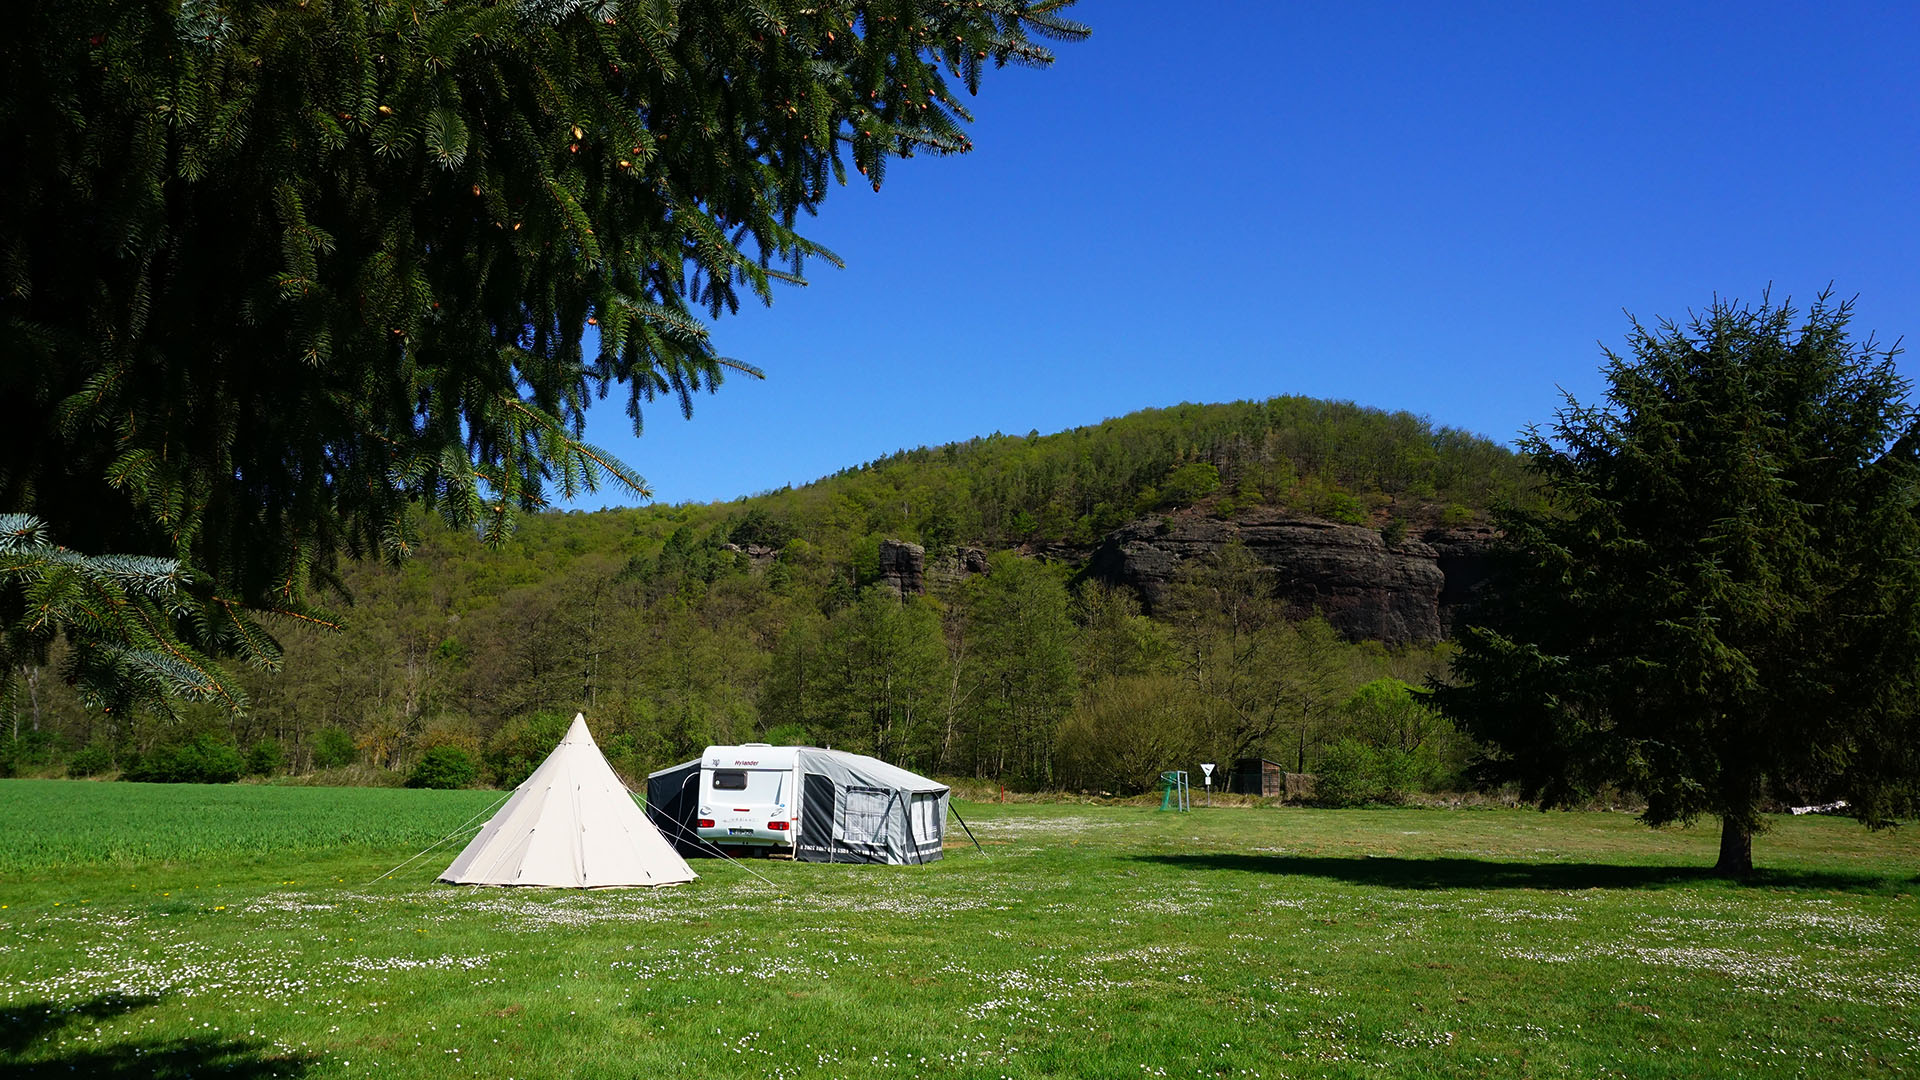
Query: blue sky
{"points": [[1439, 208]]}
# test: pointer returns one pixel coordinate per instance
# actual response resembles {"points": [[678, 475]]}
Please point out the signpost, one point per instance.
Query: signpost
{"points": [[1206, 770]]}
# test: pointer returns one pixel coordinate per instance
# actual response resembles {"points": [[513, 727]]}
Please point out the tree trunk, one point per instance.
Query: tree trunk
{"points": [[1736, 848]]}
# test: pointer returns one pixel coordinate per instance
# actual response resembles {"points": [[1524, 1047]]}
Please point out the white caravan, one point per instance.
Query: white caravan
{"points": [[815, 805], [749, 795]]}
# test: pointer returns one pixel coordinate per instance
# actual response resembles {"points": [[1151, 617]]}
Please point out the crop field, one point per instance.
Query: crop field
{"points": [[233, 931]]}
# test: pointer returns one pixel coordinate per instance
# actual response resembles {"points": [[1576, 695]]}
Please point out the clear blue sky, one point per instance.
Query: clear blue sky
{"points": [[1438, 208]]}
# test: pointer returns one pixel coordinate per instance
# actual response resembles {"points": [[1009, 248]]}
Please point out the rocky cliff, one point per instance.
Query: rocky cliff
{"points": [[903, 567], [1409, 590], [905, 570]]}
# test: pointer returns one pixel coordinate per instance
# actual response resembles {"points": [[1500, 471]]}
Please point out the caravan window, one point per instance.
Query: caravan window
{"points": [[730, 780], [866, 817]]}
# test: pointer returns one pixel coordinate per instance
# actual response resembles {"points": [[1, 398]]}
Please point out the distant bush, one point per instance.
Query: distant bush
{"points": [[1189, 484], [789, 734], [1351, 773], [1342, 507], [1341, 778], [91, 760], [332, 748], [266, 757], [444, 767], [24, 751], [203, 759]]}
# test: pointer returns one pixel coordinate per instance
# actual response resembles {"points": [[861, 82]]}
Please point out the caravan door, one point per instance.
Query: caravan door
{"points": [[816, 821]]}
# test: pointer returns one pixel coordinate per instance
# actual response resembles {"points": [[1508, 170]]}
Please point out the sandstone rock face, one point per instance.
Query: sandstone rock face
{"points": [[758, 555], [952, 570], [903, 567], [1365, 587], [972, 560]]}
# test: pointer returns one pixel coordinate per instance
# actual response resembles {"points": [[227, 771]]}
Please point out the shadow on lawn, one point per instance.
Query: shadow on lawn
{"points": [[1397, 873], [31, 1026]]}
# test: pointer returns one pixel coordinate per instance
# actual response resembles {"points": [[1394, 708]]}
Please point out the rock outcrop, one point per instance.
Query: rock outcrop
{"points": [[952, 570], [903, 567], [759, 556], [1366, 587], [971, 560]]}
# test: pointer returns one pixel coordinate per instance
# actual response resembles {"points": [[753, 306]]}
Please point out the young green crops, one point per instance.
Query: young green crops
{"points": [[168, 931]]}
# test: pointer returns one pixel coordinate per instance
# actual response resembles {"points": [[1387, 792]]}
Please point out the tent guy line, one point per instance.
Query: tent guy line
{"points": [[709, 845], [457, 830]]}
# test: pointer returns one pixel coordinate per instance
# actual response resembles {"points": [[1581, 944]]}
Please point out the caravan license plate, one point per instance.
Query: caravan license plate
{"points": [[739, 832]]}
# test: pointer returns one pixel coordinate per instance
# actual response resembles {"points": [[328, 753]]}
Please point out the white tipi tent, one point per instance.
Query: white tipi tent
{"points": [[572, 824]]}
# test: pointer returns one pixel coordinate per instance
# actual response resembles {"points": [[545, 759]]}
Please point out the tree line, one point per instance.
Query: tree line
{"points": [[1019, 675]]}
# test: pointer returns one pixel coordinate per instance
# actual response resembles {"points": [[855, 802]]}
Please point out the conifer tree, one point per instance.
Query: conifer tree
{"points": [[1721, 601], [275, 273]]}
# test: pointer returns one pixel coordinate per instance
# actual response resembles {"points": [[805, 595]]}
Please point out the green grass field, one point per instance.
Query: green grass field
{"points": [[175, 931]]}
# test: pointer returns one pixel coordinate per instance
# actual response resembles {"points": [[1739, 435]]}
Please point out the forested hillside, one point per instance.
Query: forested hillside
{"points": [[768, 618]]}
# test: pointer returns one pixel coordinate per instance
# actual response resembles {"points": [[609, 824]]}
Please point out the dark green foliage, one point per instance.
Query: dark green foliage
{"points": [[266, 757], [1721, 602], [879, 668], [444, 767], [332, 748], [788, 735], [521, 745], [277, 274], [91, 760], [201, 759], [1123, 732], [757, 527], [21, 751]]}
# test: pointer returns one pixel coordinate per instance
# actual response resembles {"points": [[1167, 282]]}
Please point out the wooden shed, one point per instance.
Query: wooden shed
{"points": [[1269, 780], [1257, 776]]}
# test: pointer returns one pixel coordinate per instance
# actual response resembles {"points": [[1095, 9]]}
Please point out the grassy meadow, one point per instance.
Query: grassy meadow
{"points": [[175, 931]]}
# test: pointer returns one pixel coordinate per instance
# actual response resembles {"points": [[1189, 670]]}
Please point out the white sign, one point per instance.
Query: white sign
{"points": [[1207, 768]]}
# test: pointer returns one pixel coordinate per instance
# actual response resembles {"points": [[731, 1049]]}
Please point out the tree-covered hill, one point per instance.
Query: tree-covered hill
{"points": [[1331, 459], [764, 617]]}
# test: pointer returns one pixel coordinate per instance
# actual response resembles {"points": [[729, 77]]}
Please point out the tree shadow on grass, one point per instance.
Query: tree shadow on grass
{"points": [[30, 1035], [1398, 873]]}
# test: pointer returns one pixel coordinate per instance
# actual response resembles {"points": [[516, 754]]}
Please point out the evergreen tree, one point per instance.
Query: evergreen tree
{"points": [[1722, 599], [275, 273], [142, 630]]}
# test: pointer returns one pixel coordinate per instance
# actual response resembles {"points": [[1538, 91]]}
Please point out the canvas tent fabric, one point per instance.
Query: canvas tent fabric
{"points": [[853, 809], [673, 798], [572, 824], [873, 811]]}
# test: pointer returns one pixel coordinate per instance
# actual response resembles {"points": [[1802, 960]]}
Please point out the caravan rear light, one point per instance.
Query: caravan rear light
{"points": [[705, 823], [778, 826]]}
